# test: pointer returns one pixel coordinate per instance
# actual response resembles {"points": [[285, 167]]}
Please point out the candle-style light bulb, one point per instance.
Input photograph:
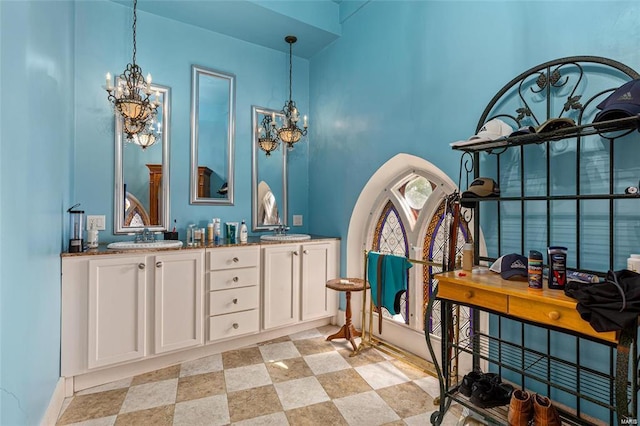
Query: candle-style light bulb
{"points": [[305, 121], [109, 86], [149, 79]]}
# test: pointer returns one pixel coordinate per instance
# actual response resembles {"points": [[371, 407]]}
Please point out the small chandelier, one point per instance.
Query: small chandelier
{"points": [[148, 136], [131, 94], [290, 133], [267, 134]]}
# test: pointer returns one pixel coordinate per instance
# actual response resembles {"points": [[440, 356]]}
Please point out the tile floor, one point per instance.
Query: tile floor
{"points": [[299, 379]]}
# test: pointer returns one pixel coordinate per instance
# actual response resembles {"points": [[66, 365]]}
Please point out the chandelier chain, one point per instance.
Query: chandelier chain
{"points": [[290, 68], [135, 19]]}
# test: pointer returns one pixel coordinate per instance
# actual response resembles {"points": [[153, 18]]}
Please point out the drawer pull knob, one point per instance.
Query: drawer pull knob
{"points": [[235, 301], [236, 260], [554, 315], [468, 295], [158, 264], [140, 265], [295, 253], [235, 279], [235, 325], [306, 252]]}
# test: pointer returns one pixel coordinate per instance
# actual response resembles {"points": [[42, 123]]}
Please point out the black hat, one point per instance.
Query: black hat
{"points": [[622, 103]]}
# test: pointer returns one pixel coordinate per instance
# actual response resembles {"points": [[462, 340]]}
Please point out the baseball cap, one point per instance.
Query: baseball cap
{"points": [[524, 130], [553, 124], [511, 266], [623, 102], [492, 130], [480, 187]]}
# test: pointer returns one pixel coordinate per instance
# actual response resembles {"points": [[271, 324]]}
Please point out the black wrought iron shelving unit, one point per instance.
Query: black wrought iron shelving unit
{"points": [[560, 89]]}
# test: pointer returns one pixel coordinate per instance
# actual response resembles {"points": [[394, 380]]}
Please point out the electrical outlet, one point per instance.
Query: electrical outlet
{"points": [[297, 220], [97, 220]]}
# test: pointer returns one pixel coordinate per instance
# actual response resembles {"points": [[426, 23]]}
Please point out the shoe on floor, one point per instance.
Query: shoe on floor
{"points": [[466, 387], [520, 408]]}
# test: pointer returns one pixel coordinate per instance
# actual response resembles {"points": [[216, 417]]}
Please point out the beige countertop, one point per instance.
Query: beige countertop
{"points": [[252, 241]]}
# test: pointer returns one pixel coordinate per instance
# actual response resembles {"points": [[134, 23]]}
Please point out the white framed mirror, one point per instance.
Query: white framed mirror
{"points": [[268, 177], [213, 96], [141, 195]]}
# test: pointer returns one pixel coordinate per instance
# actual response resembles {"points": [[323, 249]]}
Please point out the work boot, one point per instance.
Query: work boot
{"points": [[520, 408], [544, 414]]}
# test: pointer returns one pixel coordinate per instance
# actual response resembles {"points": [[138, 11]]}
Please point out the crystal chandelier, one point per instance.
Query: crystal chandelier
{"points": [[267, 134], [147, 137], [290, 133], [131, 94]]}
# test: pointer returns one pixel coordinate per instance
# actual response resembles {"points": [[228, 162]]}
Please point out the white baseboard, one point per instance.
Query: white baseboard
{"points": [[55, 404]]}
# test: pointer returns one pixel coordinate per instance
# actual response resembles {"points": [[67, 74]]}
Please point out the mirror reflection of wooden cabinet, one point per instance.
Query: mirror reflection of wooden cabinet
{"points": [[155, 194], [204, 181]]}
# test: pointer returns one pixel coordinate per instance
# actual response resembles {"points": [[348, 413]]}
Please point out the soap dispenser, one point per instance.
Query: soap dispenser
{"points": [[92, 236], [243, 232]]}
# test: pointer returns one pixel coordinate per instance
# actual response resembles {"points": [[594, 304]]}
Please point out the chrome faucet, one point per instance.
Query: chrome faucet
{"points": [[281, 229], [144, 236]]}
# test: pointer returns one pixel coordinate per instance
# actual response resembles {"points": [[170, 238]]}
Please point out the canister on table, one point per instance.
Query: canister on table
{"points": [[557, 267], [535, 269]]}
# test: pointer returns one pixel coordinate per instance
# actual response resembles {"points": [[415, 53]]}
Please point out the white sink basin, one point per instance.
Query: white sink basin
{"points": [[131, 245], [285, 237]]}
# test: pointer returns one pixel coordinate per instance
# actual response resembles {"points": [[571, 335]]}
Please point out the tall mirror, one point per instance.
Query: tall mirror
{"points": [[213, 96], [141, 197], [269, 176]]}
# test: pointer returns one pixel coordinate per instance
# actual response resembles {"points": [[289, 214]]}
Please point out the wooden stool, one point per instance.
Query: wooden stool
{"points": [[348, 331]]}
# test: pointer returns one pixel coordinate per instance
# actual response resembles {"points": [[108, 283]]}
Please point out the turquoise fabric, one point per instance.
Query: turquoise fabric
{"points": [[392, 279]]}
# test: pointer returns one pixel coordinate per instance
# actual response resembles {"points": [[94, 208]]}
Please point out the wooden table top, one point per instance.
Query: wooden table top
{"points": [[351, 284]]}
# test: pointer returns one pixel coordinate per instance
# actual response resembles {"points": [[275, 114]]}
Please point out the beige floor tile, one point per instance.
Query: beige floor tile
{"points": [[407, 399], [326, 362], [381, 374], [313, 346], [241, 357], [367, 356], [339, 384], [288, 369], [411, 371], [250, 403], [279, 351], [119, 384], [200, 386], [306, 334], [157, 375], [312, 415], [275, 419], [157, 416], [93, 406], [276, 340], [102, 421], [365, 409], [328, 330], [250, 376]]}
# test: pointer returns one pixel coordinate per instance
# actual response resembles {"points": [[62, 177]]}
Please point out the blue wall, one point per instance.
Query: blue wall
{"points": [[35, 174], [167, 49]]}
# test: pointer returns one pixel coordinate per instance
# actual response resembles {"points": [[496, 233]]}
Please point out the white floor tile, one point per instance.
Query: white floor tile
{"points": [[211, 411], [306, 334], [279, 351], [150, 395], [430, 385], [381, 374], [275, 419], [119, 384], [247, 377], [419, 420], [365, 409], [204, 365], [300, 392], [326, 362]]}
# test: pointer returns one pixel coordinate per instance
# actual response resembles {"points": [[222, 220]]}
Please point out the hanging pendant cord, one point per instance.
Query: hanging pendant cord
{"points": [[290, 50], [135, 18]]}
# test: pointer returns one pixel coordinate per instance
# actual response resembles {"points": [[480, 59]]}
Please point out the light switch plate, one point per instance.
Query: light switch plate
{"points": [[297, 220], [98, 220]]}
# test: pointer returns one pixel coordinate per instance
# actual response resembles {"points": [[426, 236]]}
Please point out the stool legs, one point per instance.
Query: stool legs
{"points": [[348, 331]]}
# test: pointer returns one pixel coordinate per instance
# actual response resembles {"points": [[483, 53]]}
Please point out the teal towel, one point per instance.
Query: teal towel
{"points": [[390, 273]]}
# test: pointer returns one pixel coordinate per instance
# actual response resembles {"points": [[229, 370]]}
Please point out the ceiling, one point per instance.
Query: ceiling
{"points": [[316, 23]]}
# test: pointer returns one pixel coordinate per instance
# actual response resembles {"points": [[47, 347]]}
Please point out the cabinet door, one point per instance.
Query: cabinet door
{"points": [[281, 268], [178, 300], [117, 293], [319, 265]]}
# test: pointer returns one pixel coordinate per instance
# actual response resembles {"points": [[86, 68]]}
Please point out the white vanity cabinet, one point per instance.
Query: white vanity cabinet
{"points": [[125, 307], [233, 278], [294, 279]]}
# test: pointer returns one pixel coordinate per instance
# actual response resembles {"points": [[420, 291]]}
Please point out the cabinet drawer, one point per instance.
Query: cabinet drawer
{"points": [[233, 300], [223, 326], [233, 257], [554, 315], [233, 278], [473, 296]]}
